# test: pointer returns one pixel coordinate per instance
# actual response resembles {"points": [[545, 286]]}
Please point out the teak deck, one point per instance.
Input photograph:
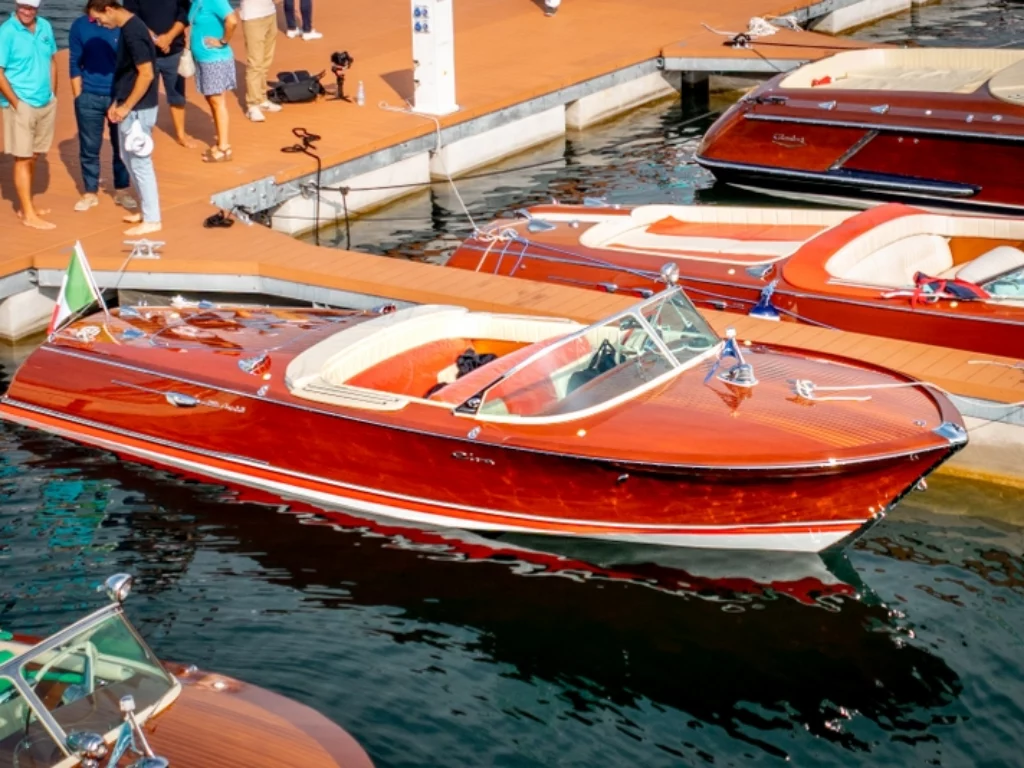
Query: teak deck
{"points": [[506, 53]]}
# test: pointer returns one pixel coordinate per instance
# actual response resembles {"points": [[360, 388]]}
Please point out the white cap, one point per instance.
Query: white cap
{"points": [[30, 3]]}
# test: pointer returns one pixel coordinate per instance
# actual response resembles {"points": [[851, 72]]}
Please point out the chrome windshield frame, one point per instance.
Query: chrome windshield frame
{"points": [[472, 404], [12, 669]]}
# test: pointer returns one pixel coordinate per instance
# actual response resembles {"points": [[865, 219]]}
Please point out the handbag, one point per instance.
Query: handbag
{"points": [[187, 64]]}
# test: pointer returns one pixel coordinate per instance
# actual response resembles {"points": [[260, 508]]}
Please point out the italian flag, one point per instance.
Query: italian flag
{"points": [[77, 291]]}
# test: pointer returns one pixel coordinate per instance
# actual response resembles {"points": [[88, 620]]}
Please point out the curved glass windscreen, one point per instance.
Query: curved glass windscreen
{"points": [[603, 362], [1010, 286], [81, 682]]}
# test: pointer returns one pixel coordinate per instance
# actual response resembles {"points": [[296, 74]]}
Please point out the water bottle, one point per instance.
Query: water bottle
{"points": [[360, 94]]}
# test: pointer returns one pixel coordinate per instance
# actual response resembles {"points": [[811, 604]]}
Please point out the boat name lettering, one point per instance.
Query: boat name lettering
{"points": [[464, 456], [789, 141], [223, 406]]}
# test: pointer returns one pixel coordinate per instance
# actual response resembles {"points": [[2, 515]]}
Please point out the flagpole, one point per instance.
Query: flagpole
{"points": [[92, 279]]}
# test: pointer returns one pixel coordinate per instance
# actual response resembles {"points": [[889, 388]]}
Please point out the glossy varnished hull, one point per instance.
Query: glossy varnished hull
{"points": [[940, 150], [420, 471], [219, 722]]}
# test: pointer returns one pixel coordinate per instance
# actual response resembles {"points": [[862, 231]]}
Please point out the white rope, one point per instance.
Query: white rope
{"points": [[1013, 366], [759, 26], [408, 110]]}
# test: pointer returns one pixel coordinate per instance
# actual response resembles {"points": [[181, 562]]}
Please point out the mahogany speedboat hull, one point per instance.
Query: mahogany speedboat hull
{"points": [[934, 127], [214, 404], [838, 269]]}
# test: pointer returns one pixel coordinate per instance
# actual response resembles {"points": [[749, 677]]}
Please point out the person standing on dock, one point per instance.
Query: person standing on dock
{"points": [[213, 24], [167, 20], [136, 97], [28, 96], [306, 9], [93, 56], [259, 27]]}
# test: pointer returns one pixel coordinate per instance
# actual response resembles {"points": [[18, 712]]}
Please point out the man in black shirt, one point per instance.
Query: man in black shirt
{"points": [[134, 109], [167, 20]]}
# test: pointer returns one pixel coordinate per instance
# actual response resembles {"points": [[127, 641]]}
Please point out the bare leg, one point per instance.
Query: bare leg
{"points": [[178, 118], [24, 169], [219, 108]]}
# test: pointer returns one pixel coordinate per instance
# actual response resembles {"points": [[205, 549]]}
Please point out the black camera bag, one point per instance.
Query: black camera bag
{"points": [[295, 87]]}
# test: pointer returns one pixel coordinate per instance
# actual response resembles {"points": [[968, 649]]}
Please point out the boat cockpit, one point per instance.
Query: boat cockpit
{"points": [[984, 252], [65, 699], [503, 366]]}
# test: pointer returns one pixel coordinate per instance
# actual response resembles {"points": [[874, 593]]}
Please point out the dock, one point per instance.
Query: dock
{"points": [[522, 79]]}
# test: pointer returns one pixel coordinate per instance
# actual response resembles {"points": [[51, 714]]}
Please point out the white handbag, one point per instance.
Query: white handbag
{"points": [[187, 64]]}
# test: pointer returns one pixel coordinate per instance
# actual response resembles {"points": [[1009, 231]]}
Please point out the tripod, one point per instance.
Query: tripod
{"points": [[339, 76]]}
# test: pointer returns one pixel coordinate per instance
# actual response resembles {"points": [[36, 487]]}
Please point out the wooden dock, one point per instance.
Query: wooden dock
{"points": [[506, 54]]}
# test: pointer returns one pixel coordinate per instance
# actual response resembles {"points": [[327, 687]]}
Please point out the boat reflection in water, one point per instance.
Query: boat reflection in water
{"points": [[715, 635], [799, 639]]}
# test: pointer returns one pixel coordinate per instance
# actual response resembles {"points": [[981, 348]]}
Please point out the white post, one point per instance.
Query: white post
{"points": [[433, 56]]}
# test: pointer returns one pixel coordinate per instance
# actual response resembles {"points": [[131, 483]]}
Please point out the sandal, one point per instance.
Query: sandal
{"points": [[217, 155]]}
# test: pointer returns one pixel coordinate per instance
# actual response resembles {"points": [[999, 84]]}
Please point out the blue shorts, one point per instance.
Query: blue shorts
{"points": [[174, 84]]}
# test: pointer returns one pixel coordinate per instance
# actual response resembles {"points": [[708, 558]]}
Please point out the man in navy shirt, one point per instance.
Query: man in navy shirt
{"points": [[167, 20], [93, 55]]}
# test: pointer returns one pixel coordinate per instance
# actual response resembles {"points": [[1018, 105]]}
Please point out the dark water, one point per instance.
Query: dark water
{"points": [[956, 23], [439, 650]]}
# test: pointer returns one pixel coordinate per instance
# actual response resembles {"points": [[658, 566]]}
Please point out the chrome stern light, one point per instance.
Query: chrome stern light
{"points": [[118, 587], [669, 273]]}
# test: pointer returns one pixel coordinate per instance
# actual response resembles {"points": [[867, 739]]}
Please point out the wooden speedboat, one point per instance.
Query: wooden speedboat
{"points": [[643, 427], [932, 126], [95, 694], [894, 270]]}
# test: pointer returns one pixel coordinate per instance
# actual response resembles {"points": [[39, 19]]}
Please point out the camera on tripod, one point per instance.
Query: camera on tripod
{"points": [[340, 62]]}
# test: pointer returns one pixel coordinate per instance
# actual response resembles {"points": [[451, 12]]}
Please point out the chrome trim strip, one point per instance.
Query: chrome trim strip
{"points": [[956, 434], [857, 146], [200, 452], [884, 127], [950, 190]]}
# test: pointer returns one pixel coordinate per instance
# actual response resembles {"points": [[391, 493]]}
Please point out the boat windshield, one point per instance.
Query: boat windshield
{"points": [[1009, 286], [79, 680], [601, 363]]}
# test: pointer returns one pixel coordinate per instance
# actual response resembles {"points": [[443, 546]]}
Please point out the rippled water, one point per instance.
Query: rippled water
{"points": [[959, 23], [443, 650]]}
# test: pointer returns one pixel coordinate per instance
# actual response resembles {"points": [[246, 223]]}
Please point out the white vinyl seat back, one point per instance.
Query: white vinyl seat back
{"points": [[893, 265], [992, 264]]}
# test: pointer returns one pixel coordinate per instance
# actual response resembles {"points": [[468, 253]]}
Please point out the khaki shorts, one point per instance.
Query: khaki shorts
{"points": [[28, 130]]}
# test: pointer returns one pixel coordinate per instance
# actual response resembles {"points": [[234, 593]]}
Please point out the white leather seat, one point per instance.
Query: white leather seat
{"points": [[992, 264], [895, 264]]}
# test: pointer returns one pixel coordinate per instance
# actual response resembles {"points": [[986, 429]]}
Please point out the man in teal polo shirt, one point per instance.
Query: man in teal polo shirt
{"points": [[28, 86]]}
